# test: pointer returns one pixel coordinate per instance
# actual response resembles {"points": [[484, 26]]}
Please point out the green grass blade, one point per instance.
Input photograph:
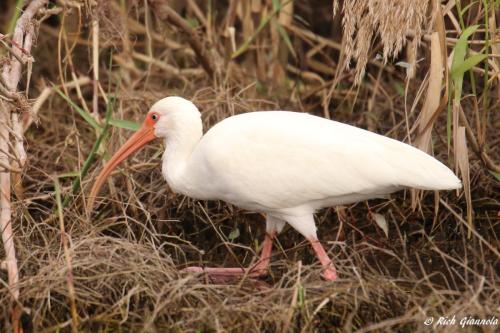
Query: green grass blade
{"points": [[84, 114], [125, 124], [449, 120], [496, 175], [464, 10], [57, 189], [461, 47], [286, 39], [458, 67], [283, 33], [235, 233], [467, 64], [91, 157], [70, 174], [15, 16]]}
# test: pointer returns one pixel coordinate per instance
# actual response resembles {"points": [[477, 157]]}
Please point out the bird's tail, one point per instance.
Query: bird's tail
{"points": [[430, 174]]}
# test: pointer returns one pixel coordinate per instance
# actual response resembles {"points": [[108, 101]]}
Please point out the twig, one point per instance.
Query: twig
{"points": [[22, 38], [5, 92], [483, 156], [137, 27], [165, 12], [90, 159], [265, 21], [12, 51], [8, 168], [5, 217], [472, 230], [197, 12], [17, 133], [46, 93], [171, 70], [95, 69], [309, 35]]}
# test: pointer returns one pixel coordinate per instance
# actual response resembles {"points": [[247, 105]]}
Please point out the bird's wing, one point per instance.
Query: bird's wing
{"points": [[284, 159]]}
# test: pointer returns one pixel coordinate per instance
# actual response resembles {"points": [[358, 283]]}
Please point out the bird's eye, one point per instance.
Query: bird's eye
{"points": [[155, 117]]}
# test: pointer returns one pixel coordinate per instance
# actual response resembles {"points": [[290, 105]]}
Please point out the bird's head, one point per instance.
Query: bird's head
{"points": [[172, 115], [169, 116]]}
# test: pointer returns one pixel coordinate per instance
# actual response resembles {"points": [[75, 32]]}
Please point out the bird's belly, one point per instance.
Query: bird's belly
{"points": [[308, 207], [252, 206], [348, 199]]}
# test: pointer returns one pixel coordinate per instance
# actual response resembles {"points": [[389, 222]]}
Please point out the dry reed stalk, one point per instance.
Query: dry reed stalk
{"points": [[437, 91], [23, 36], [478, 150], [280, 50], [277, 70], [20, 154], [164, 11], [169, 69], [495, 48], [137, 27], [462, 156], [370, 116], [46, 93], [95, 67], [5, 217], [149, 39], [438, 69], [431, 107], [244, 12]]}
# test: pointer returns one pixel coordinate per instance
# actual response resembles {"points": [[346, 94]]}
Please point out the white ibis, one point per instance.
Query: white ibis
{"points": [[283, 164]]}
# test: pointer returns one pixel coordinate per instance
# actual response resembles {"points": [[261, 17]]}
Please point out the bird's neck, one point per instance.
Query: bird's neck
{"points": [[179, 147]]}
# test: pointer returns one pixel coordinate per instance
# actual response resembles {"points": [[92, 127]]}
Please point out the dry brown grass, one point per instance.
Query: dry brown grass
{"points": [[125, 259]]}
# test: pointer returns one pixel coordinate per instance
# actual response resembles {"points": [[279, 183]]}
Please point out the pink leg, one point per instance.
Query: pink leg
{"points": [[329, 272], [260, 268], [223, 273]]}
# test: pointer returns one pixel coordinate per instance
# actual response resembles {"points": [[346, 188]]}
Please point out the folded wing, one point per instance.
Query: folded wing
{"points": [[286, 159]]}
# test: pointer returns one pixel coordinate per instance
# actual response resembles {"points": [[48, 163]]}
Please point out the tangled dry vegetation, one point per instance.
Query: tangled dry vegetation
{"points": [[426, 72]]}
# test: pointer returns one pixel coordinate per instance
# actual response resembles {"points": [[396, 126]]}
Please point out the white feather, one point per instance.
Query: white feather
{"points": [[287, 163]]}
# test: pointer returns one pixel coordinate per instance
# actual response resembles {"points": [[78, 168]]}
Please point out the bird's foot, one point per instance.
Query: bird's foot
{"points": [[216, 274], [227, 274], [329, 273]]}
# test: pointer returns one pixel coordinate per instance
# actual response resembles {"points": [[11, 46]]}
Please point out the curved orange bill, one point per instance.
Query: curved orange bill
{"points": [[144, 135]]}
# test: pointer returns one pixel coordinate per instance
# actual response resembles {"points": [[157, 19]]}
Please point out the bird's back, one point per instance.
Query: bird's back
{"points": [[276, 159]]}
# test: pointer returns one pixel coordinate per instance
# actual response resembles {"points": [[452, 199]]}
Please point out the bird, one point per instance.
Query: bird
{"points": [[285, 165]]}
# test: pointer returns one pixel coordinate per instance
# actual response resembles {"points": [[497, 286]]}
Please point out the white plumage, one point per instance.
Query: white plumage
{"points": [[280, 160], [287, 164]]}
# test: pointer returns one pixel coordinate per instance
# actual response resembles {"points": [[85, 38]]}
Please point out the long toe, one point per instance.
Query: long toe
{"points": [[259, 270], [225, 274], [222, 271]]}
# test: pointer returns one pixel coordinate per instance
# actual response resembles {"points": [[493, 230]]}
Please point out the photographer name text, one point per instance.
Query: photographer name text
{"points": [[462, 322]]}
